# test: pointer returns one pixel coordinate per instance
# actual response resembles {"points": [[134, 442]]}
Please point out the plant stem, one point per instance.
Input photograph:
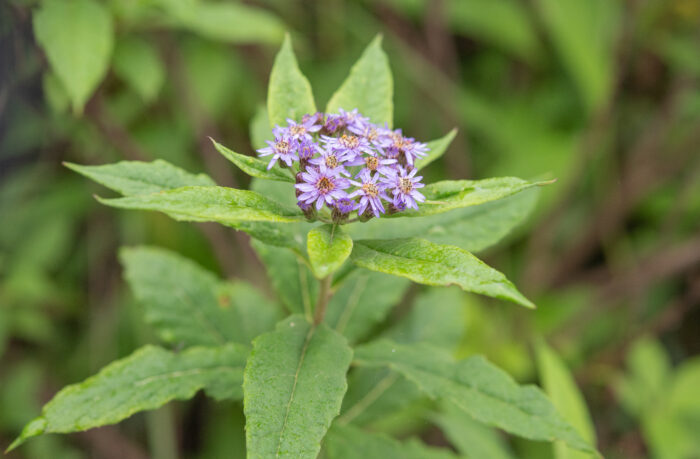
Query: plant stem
{"points": [[324, 295]]}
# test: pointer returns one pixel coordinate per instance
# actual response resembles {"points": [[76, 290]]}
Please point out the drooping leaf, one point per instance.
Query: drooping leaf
{"points": [[289, 93], [189, 305], [328, 248], [473, 228], [77, 36], [253, 166], [291, 278], [476, 386], [147, 379], [456, 194], [137, 177], [226, 21], [369, 87], [137, 63], [227, 206], [567, 399], [470, 437], [435, 264], [293, 387], [436, 148], [348, 442]]}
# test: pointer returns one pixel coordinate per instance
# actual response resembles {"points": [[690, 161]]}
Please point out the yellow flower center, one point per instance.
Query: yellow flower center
{"points": [[372, 163], [370, 189], [282, 146], [349, 141], [405, 185], [325, 185], [331, 161]]}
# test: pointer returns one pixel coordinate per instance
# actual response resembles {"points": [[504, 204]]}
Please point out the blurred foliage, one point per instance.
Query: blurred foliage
{"points": [[602, 95]]}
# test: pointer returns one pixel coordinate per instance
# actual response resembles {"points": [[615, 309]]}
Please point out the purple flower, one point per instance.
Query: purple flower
{"points": [[283, 148], [307, 149], [354, 119], [332, 160], [297, 131], [371, 194], [321, 185], [333, 124], [395, 145], [404, 188], [373, 163], [348, 146], [345, 205]]}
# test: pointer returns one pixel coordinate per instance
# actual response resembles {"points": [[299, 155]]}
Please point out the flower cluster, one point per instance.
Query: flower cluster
{"points": [[348, 164]]}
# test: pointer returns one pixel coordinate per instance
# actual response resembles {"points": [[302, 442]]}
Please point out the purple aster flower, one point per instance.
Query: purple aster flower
{"points": [[404, 188], [371, 194], [373, 163], [354, 119], [307, 149], [297, 131], [321, 185], [345, 205], [331, 160], [283, 148], [369, 132], [397, 146], [349, 146], [333, 124]]}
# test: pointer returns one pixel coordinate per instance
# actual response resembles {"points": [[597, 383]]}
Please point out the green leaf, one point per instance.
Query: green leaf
{"points": [[137, 177], [456, 194], [566, 398], [226, 21], [436, 148], [434, 264], [147, 379], [293, 386], [473, 228], [291, 278], [289, 93], [328, 247], [253, 166], [189, 305], [477, 387], [227, 206], [471, 438], [347, 442], [362, 301], [136, 61], [369, 87], [77, 36]]}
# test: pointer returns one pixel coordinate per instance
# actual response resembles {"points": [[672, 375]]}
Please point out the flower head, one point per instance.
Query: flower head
{"points": [[371, 194], [403, 186], [406, 149], [297, 131], [321, 185], [283, 148], [332, 160], [348, 145]]}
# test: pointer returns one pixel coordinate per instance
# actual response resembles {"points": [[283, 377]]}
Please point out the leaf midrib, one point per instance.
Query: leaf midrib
{"points": [[307, 340]]}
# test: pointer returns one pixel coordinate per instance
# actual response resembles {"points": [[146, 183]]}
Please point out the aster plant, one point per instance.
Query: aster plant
{"points": [[339, 214]]}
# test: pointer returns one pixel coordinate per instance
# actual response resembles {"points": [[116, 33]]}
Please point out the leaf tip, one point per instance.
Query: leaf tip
{"points": [[34, 428]]}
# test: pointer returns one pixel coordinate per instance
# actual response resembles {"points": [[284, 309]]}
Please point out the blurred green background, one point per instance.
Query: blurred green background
{"points": [[602, 95]]}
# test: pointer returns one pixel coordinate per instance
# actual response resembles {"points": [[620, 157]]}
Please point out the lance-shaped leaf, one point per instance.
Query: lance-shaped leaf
{"points": [[369, 87], [328, 247], [477, 387], [188, 305], [210, 204], [289, 93], [435, 264], [138, 177], [473, 228], [362, 301], [78, 36], [455, 194], [293, 387], [253, 166], [566, 397], [290, 276], [436, 148], [348, 442], [147, 379]]}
